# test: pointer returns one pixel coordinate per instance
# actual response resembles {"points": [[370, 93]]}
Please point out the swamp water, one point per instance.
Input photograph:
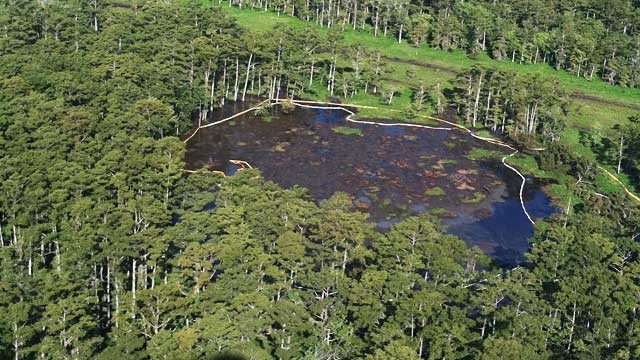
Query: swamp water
{"points": [[392, 172]]}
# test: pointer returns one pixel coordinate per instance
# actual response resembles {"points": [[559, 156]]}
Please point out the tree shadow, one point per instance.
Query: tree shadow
{"points": [[228, 355], [602, 149]]}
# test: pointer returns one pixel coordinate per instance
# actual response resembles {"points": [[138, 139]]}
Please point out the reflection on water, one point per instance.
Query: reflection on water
{"points": [[392, 172], [505, 232]]}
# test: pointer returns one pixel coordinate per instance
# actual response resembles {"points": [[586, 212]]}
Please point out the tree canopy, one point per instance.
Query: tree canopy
{"points": [[108, 249]]}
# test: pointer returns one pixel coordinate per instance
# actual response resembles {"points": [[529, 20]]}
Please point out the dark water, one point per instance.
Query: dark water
{"points": [[392, 172]]}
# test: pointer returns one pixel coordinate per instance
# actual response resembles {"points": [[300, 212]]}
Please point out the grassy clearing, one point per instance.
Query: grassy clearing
{"points": [[604, 184], [528, 165], [560, 193], [590, 115], [571, 138]]}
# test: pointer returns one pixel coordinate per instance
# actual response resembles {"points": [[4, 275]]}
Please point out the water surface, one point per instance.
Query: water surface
{"points": [[391, 172]]}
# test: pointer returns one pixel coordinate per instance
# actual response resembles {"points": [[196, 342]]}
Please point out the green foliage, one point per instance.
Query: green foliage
{"points": [[523, 107], [482, 30], [480, 154], [621, 147], [108, 249], [344, 130], [475, 199], [434, 191], [528, 164]]}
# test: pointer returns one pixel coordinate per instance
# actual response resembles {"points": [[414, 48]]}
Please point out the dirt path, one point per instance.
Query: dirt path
{"points": [[615, 178], [595, 99], [421, 64]]}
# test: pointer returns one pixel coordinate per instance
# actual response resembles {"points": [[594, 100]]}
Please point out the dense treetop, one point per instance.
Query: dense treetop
{"points": [[108, 249]]}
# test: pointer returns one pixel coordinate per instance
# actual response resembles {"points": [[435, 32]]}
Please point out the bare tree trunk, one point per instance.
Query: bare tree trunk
{"points": [[344, 259], [477, 102], [144, 278], [573, 324], [279, 87], [355, 14], [224, 80], [236, 88], [484, 40], [620, 154], [413, 325], [213, 89], [246, 80], [486, 115], [375, 32], [95, 15], [16, 342], [439, 108], [153, 277], [30, 262], [378, 69], [333, 76], [567, 211], [133, 288], [95, 284], [58, 257], [329, 77], [207, 73], [117, 297], [108, 288], [468, 100], [420, 97]]}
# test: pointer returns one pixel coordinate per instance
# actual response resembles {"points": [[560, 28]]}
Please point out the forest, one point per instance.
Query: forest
{"points": [[586, 38], [110, 249]]}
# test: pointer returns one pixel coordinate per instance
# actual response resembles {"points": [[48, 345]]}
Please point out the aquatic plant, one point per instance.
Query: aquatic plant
{"points": [[288, 107], [475, 199], [479, 154], [344, 130], [435, 191]]}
